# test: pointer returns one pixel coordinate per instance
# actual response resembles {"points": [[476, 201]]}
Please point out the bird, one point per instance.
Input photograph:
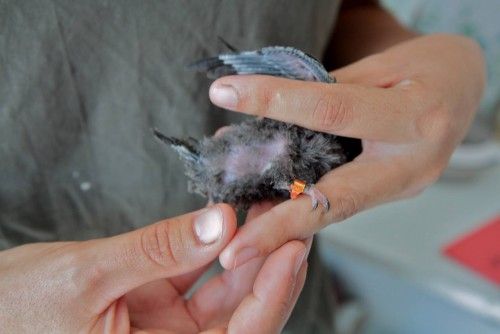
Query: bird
{"points": [[260, 158]]}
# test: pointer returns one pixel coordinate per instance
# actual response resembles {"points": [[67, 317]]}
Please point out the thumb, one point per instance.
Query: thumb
{"points": [[168, 248]]}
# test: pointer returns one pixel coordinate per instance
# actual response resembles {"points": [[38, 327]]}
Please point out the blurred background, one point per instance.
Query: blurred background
{"points": [[432, 264]]}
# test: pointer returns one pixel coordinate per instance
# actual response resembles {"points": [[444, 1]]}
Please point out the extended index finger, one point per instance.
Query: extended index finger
{"points": [[344, 109], [354, 187]]}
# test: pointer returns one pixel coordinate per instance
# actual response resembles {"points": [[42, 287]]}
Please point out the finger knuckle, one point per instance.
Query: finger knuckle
{"points": [[283, 309], [86, 273], [270, 101], [345, 206], [433, 173], [435, 121], [157, 244], [428, 174], [70, 273], [284, 304], [90, 278], [412, 189], [330, 113]]}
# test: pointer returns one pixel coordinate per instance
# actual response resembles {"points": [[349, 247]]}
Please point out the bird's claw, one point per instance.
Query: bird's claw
{"points": [[300, 187], [317, 197], [314, 203]]}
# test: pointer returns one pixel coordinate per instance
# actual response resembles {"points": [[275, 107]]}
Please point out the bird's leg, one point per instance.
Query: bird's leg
{"points": [[298, 187], [317, 197]]}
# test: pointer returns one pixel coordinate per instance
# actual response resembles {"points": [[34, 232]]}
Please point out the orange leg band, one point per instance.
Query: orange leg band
{"points": [[297, 188]]}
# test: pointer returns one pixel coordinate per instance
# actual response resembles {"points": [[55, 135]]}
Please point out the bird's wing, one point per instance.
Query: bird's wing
{"points": [[186, 149], [278, 61]]}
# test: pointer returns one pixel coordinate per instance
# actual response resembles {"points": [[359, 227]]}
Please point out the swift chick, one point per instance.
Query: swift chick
{"points": [[262, 158]]}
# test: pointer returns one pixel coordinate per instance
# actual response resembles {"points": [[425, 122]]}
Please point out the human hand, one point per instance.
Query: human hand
{"points": [[411, 105], [135, 282]]}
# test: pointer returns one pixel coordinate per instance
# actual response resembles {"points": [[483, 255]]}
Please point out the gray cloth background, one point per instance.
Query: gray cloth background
{"points": [[82, 84]]}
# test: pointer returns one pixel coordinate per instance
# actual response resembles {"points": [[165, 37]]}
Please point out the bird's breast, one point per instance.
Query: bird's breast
{"points": [[252, 158]]}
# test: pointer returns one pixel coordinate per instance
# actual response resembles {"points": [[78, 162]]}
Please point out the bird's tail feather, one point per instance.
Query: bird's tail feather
{"points": [[230, 47], [187, 150]]}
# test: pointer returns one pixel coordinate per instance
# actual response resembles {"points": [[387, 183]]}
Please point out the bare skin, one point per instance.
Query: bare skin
{"points": [[411, 105], [134, 283]]}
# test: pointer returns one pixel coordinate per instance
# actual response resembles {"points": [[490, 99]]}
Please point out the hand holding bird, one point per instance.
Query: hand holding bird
{"points": [[410, 104]]}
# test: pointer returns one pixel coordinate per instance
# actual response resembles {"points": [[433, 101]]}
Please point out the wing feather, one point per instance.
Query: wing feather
{"points": [[279, 61]]}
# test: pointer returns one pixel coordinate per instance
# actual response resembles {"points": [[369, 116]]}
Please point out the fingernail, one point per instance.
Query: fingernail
{"points": [[226, 259], [223, 95], [299, 261], [208, 225], [245, 255]]}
